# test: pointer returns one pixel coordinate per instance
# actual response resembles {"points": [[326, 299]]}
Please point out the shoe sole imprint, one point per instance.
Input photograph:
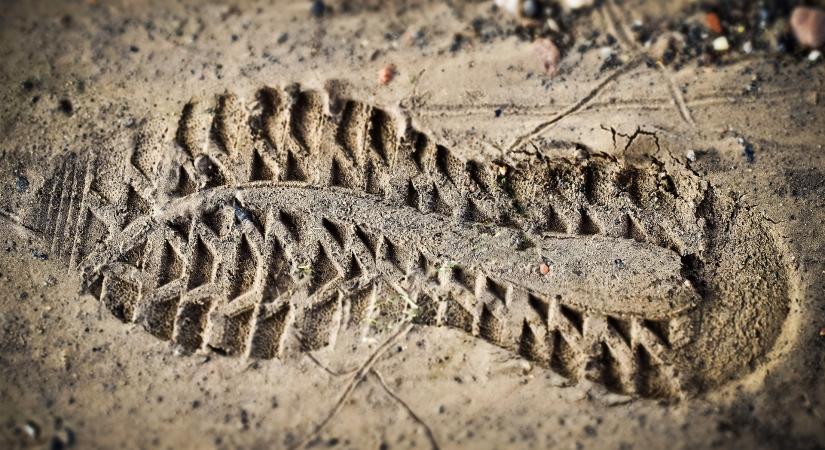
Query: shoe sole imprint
{"points": [[273, 227]]}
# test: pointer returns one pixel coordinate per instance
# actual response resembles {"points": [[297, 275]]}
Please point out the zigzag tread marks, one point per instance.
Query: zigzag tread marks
{"points": [[270, 333], [63, 246], [193, 128], [229, 128], [190, 324], [248, 281], [232, 332], [292, 125], [160, 317], [121, 297], [306, 119], [202, 262], [64, 213], [260, 332], [246, 268], [94, 233], [320, 323]]}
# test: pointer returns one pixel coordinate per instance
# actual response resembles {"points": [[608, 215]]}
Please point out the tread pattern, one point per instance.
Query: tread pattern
{"points": [[273, 227]]}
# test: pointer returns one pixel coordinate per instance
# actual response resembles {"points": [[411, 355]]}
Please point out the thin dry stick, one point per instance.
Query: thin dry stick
{"points": [[623, 32], [326, 369], [676, 93], [541, 128], [359, 376], [387, 389], [404, 404], [615, 19]]}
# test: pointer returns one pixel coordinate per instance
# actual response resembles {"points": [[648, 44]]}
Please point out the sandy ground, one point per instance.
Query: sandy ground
{"points": [[79, 76]]}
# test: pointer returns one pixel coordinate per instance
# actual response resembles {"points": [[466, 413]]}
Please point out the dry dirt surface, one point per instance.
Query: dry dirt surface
{"points": [[400, 224]]}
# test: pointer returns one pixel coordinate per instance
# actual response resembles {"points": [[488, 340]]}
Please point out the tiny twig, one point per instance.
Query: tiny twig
{"points": [[624, 34], [427, 429], [676, 93], [584, 101], [326, 369], [350, 387]]}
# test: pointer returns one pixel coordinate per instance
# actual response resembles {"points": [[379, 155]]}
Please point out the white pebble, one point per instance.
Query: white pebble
{"points": [[511, 6], [691, 155], [31, 430], [814, 56], [576, 4], [721, 44], [747, 47]]}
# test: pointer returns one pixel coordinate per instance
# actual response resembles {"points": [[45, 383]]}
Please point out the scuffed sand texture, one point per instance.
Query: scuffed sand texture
{"points": [[222, 231]]}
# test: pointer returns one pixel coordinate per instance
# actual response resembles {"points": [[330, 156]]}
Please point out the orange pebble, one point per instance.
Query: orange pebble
{"points": [[386, 74], [544, 269], [713, 22]]}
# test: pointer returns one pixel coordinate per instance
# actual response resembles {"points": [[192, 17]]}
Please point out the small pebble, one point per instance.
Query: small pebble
{"points": [[318, 8], [822, 331], [713, 23], [721, 44], [387, 74], [549, 55], [814, 56], [544, 269], [511, 6], [747, 47], [749, 153], [530, 8], [67, 436], [56, 444], [65, 105], [458, 41], [576, 4], [31, 429], [242, 214], [21, 183], [808, 25], [690, 155]]}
